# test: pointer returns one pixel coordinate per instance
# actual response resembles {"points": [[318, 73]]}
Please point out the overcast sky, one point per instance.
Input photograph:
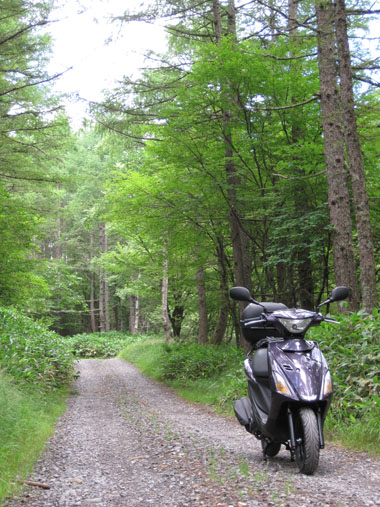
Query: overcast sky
{"points": [[80, 41]]}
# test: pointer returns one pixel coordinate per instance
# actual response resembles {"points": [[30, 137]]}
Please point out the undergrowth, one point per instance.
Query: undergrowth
{"points": [[30, 353], [36, 367], [352, 350], [100, 345]]}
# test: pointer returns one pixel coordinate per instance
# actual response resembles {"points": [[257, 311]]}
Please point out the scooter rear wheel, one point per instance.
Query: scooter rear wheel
{"points": [[307, 437]]}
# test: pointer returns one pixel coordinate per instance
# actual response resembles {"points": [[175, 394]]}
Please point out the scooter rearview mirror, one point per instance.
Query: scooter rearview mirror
{"points": [[242, 294], [339, 293]]}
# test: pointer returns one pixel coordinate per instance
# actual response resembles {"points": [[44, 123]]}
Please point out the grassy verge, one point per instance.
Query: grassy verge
{"points": [[27, 418], [36, 368], [354, 420]]}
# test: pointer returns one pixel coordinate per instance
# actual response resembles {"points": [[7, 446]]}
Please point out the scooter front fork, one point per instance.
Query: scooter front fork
{"points": [[293, 442], [320, 429]]}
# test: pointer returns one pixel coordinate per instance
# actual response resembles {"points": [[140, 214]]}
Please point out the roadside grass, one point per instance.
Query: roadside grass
{"points": [[217, 383], [27, 418], [352, 350], [36, 368]]}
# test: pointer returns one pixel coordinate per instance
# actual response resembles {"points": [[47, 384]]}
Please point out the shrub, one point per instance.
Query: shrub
{"points": [[30, 352], [100, 344], [353, 354], [190, 361]]}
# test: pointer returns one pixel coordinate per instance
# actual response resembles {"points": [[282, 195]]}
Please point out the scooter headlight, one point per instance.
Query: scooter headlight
{"points": [[295, 325]]}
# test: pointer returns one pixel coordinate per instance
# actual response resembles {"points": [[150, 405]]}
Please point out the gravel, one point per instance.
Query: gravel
{"points": [[126, 440]]}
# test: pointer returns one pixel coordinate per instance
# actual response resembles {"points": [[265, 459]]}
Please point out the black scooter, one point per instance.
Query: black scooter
{"points": [[289, 382]]}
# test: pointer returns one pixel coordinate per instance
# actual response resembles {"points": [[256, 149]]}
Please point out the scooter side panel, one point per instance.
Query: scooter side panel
{"points": [[304, 371]]}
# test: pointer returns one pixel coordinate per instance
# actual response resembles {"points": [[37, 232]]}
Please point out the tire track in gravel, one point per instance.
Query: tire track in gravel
{"points": [[125, 440]]}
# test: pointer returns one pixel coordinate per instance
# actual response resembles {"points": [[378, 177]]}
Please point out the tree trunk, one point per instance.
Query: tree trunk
{"points": [[106, 290], [164, 296], [92, 287], [137, 315], [132, 316], [305, 287], [240, 241], [176, 319], [101, 282], [202, 308], [221, 326], [355, 164], [338, 195]]}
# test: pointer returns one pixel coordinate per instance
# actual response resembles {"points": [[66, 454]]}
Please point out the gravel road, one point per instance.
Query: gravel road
{"points": [[126, 440]]}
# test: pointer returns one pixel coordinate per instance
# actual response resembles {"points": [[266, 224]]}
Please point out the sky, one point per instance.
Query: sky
{"points": [[99, 52]]}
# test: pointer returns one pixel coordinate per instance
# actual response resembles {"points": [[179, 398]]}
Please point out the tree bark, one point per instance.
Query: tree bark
{"points": [[202, 307], [101, 282], [176, 319], [106, 290], [338, 195], [92, 287], [134, 310], [355, 164], [164, 296], [132, 316], [221, 325]]}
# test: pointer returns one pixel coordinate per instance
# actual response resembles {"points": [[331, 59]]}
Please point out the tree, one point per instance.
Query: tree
{"points": [[339, 201], [355, 163], [33, 133]]}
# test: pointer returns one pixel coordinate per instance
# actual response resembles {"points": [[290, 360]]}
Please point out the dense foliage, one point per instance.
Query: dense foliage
{"points": [[186, 362], [100, 345], [36, 369], [352, 352], [207, 170], [29, 352]]}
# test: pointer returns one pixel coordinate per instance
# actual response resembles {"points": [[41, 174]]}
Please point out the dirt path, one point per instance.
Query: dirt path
{"points": [[125, 440]]}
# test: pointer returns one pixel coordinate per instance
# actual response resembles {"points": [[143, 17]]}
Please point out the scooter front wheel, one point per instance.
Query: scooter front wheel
{"points": [[307, 438]]}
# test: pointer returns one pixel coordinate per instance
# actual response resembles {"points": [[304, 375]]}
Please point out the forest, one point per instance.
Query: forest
{"points": [[247, 155]]}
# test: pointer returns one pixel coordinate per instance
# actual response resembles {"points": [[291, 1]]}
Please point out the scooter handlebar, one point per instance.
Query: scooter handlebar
{"points": [[247, 323], [332, 321]]}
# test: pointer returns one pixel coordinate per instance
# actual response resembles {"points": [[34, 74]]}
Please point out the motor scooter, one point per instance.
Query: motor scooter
{"points": [[289, 382]]}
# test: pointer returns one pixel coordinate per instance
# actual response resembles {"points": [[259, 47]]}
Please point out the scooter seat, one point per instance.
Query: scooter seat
{"points": [[260, 363]]}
